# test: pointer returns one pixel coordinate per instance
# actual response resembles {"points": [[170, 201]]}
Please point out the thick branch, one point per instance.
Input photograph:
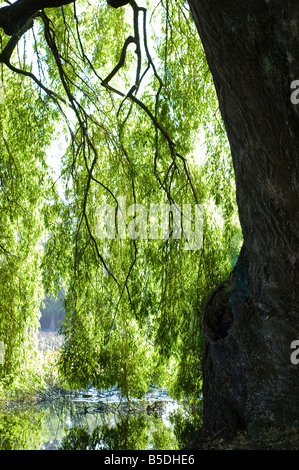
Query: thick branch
{"points": [[117, 3], [15, 16], [10, 46]]}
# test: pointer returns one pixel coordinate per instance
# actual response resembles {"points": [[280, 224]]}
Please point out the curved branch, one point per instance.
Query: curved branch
{"points": [[121, 61], [49, 92]]}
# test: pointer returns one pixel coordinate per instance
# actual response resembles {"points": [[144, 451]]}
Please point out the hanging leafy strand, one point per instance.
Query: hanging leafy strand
{"points": [[25, 205], [132, 303]]}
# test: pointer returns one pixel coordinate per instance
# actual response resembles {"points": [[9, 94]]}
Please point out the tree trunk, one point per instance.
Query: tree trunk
{"points": [[251, 320]]}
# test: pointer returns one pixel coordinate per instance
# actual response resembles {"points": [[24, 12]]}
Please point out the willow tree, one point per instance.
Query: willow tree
{"points": [[127, 128], [250, 320]]}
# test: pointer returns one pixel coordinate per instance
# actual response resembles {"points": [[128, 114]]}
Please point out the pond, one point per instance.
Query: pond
{"points": [[99, 420]]}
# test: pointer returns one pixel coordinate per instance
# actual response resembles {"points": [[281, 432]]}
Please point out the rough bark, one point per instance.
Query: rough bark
{"points": [[253, 52]]}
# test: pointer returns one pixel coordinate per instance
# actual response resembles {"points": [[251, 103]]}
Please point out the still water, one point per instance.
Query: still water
{"points": [[98, 420]]}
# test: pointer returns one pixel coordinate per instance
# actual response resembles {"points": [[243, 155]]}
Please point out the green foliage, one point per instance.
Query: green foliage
{"points": [[131, 432], [186, 421], [20, 429], [25, 129], [132, 305], [78, 438]]}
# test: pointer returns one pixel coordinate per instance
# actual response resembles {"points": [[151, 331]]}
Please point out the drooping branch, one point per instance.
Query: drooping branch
{"points": [[120, 64], [132, 92], [18, 17], [83, 119]]}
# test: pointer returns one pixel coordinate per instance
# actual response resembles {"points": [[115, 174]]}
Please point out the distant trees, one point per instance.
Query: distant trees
{"points": [[52, 312]]}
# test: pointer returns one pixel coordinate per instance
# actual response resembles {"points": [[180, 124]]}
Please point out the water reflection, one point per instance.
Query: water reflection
{"points": [[99, 420]]}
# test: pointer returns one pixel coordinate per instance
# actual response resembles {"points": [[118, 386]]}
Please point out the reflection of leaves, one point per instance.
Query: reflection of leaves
{"points": [[78, 438], [132, 432], [19, 430], [186, 422], [129, 434], [135, 430], [162, 438]]}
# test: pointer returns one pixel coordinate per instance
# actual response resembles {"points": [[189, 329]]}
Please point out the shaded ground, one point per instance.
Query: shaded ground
{"points": [[270, 440]]}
